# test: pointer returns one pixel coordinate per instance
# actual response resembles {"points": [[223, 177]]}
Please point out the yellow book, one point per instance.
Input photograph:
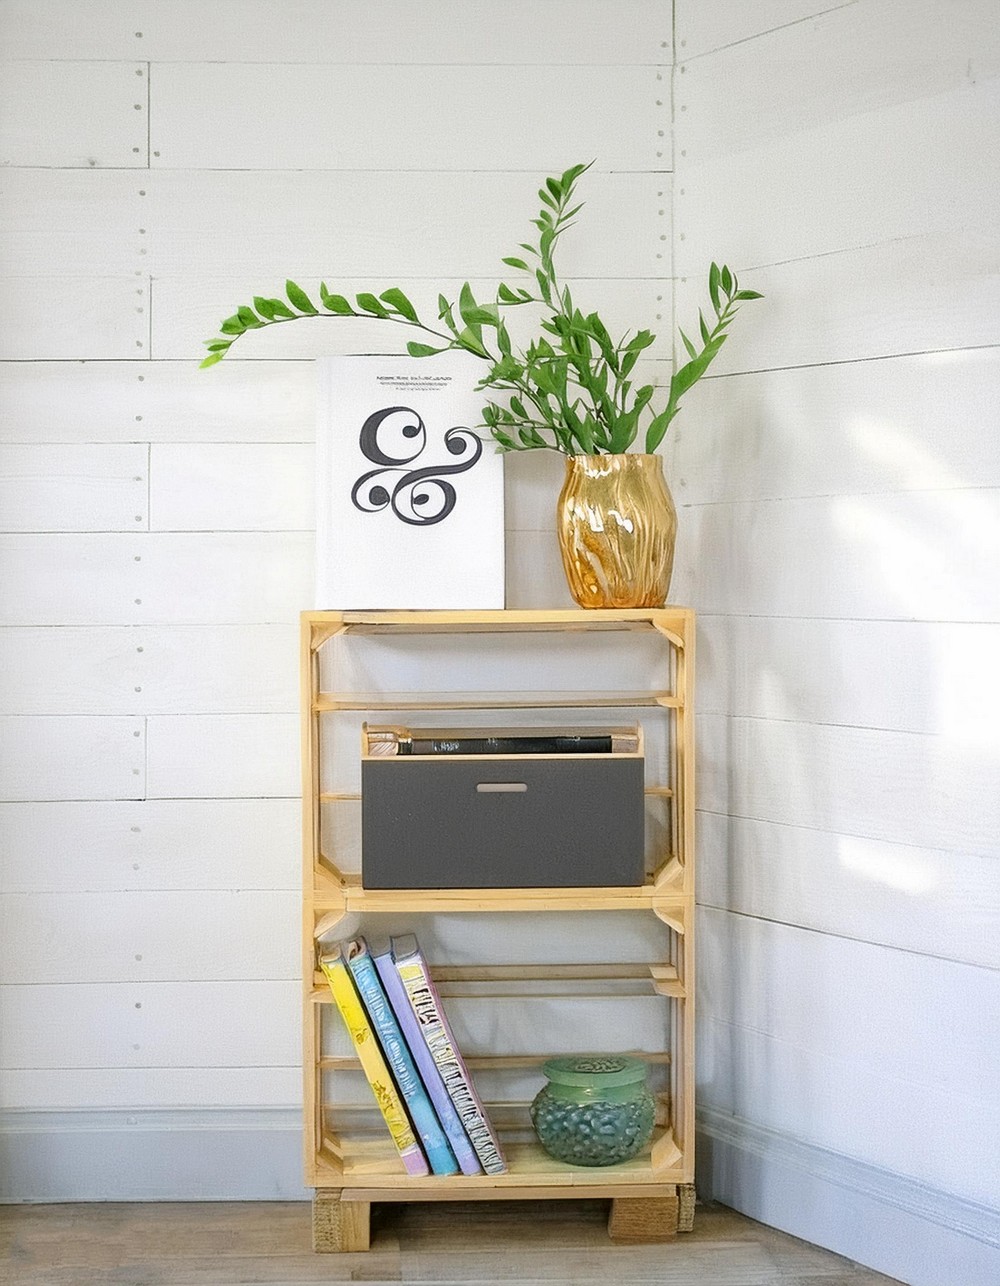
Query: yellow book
{"points": [[373, 1064]]}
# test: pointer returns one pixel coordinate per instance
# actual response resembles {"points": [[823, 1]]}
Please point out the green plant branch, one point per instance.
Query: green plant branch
{"points": [[569, 390]]}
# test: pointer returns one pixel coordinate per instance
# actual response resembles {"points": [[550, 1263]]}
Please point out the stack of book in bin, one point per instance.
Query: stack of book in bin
{"points": [[395, 1017]]}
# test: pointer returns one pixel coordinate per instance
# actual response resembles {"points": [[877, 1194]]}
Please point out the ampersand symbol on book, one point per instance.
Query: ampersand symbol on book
{"points": [[393, 438]]}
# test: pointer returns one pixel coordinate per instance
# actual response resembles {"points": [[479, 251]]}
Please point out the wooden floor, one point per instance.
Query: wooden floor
{"points": [[558, 1243]]}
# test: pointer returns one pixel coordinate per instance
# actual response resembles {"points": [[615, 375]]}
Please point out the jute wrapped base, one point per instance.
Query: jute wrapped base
{"points": [[638, 1220], [339, 1225]]}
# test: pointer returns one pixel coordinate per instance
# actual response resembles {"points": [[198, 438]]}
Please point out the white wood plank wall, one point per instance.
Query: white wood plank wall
{"points": [[839, 481], [162, 162]]}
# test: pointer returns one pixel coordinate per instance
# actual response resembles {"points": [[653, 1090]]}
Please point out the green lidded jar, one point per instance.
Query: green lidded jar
{"points": [[595, 1109]]}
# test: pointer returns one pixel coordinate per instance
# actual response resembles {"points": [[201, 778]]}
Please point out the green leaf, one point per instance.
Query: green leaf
{"points": [[692, 351], [422, 350], [713, 286], [298, 298], [748, 294], [657, 428], [516, 263], [249, 318], [218, 345], [573, 173], [472, 341], [210, 360], [555, 187], [232, 326], [694, 370], [338, 304], [727, 280], [546, 199], [503, 340], [396, 300], [369, 304], [265, 307]]}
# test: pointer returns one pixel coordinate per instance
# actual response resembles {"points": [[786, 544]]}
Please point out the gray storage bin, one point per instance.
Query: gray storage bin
{"points": [[486, 821]]}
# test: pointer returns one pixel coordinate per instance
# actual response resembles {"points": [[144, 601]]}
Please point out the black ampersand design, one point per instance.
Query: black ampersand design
{"points": [[419, 497]]}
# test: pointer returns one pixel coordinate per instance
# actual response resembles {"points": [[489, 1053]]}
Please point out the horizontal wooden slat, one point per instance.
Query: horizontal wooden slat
{"points": [[109, 401], [154, 578], [903, 676], [179, 669], [156, 1024], [44, 211], [701, 28], [885, 175], [924, 900], [109, 319], [900, 425], [74, 488], [875, 303], [140, 937], [932, 792], [788, 1002], [826, 1004], [71, 757], [552, 117], [73, 113], [416, 224], [150, 845], [537, 700], [309, 30], [232, 487], [322, 224], [839, 64], [923, 556], [209, 756], [150, 1087]]}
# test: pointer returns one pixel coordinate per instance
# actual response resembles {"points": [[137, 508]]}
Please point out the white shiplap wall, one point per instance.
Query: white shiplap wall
{"points": [[840, 533], [163, 160]]}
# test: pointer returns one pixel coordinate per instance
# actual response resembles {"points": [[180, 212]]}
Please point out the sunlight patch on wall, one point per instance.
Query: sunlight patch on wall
{"points": [[906, 871]]}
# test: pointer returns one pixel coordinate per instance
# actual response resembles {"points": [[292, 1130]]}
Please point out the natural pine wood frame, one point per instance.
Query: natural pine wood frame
{"points": [[652, 1196]]}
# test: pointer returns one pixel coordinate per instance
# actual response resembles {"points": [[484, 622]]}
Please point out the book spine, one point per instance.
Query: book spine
{"points": [[401, 1064], [373, 1064], [426, 1004], [428, 1069]]}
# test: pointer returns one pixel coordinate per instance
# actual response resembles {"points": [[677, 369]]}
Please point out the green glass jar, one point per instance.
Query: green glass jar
{"points": [[595, 1109]]}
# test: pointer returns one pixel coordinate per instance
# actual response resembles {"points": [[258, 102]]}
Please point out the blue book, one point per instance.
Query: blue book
{"points": [[400, 1060], [428, 1068]]}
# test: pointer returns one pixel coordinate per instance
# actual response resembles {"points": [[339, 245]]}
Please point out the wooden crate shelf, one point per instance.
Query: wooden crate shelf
{"points": [[351, 1166]]}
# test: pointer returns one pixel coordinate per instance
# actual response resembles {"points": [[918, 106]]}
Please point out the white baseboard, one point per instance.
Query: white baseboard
{"points": [[886, 1221], [183, 1154]]}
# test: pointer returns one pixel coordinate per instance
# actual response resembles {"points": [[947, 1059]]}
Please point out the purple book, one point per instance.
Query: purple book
{"points": [[433, 1023], [429, 1074]]}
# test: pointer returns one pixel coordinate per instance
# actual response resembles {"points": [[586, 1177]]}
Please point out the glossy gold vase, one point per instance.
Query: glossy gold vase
{"points": [[617, 525]]}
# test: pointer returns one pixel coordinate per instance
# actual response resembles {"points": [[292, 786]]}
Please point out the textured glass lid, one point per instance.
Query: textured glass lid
{"points": [[595, 1069]]}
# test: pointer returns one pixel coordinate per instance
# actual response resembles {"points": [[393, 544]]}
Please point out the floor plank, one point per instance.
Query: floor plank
{"points": [[553, 1243]]}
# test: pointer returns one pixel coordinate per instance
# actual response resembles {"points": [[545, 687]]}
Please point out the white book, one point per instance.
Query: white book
{"points": [[409, 512]]}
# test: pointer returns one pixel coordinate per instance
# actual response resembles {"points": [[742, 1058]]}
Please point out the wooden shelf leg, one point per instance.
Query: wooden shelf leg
{"points": [[643, 1219], [685, 1215], [339, 1225]]}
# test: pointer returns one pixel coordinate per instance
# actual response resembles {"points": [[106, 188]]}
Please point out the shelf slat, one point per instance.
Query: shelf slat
{"points": [[327, 703]]}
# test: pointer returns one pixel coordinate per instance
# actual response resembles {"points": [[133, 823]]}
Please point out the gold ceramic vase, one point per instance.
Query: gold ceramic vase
{"points": [[617, 526]]}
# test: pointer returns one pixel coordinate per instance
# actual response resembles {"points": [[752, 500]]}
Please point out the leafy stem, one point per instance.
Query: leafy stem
{"points": [[571, 388]]}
